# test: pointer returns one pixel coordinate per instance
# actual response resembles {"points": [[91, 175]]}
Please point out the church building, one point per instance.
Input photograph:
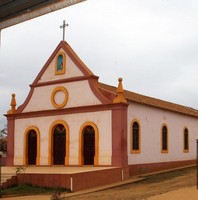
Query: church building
{"points": [[69, 118]]}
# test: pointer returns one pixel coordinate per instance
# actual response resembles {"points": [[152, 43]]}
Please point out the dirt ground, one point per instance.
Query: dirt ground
{"points": [[146, 189], [180, 194]]}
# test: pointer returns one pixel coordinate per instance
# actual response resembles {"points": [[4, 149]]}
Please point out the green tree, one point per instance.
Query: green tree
{"points": [[3, 132], [3, 140]]}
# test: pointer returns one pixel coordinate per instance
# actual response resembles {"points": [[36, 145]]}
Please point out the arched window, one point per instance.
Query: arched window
{"points": [[186, 141], [135, 136], [31, 146], [58, 151], [164, 139], [60, 63], [89, 144], [59, 145]]}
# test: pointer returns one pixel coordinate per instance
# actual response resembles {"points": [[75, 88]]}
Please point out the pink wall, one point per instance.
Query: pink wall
{"points": [[151, 120]]}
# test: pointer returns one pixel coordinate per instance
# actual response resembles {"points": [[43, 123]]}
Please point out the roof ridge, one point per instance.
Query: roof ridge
{"points": [[151, 101]]}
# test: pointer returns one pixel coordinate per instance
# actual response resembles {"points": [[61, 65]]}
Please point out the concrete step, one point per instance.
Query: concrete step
{"points": [[6, 176]]}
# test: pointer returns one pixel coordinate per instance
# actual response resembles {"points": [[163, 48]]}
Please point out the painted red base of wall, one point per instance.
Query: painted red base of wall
{"points": [[85, 180], [3, 161], [154, 167], [76, 182], [10, 182]]}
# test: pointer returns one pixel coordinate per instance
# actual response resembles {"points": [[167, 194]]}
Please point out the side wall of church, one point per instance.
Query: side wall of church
{"points": [[151, 120], [101, 119]]}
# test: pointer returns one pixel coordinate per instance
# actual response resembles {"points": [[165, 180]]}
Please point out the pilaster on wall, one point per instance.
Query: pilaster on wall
{"points": [[10, 141], [119, 135]]}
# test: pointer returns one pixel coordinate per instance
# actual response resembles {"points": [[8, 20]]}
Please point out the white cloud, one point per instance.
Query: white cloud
{"points": [[152, 44]]}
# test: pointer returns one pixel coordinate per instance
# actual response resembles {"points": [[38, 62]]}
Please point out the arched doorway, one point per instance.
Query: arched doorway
{"points": [[32, 147], [88, 145], [59, 145]]}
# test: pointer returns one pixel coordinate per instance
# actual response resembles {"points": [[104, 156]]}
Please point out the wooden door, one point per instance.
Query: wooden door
{"points": [[59, 145], [32, 147], [89, 145]]}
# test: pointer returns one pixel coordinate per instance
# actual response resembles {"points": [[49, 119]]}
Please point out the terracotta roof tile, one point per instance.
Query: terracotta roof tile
{"points": [[138, 98]]}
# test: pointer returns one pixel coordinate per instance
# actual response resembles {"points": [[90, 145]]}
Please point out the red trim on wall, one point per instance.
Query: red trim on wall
{"points": [[66, 80], [20, 108], [88, 75], [154, 167], [64, 45], [10, 141], [119, 135], [108, 94], [74, 57], [64, 111], [48, 62], [93, 83], [83, 180]]}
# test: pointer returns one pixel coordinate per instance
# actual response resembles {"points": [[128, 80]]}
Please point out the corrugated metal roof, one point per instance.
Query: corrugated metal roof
{"points": [[15, 11]]}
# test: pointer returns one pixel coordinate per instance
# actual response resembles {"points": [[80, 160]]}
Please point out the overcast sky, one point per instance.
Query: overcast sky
{"points": [[151, 44]]}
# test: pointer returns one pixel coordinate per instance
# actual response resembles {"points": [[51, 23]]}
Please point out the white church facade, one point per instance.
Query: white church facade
{"points": [[71, 119]]}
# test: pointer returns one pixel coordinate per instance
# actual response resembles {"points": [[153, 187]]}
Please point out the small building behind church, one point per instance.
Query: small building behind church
{"points": [[71, 119]]}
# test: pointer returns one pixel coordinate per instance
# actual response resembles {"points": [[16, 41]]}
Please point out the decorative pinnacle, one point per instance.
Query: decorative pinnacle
{"points": [[120, 93], [13, 105]]}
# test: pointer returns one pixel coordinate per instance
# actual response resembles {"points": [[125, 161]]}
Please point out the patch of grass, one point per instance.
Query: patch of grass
{"points": [[28, 189]]}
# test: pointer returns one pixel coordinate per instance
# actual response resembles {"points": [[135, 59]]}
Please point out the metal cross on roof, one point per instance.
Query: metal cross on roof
{"points": [[63, 27]]}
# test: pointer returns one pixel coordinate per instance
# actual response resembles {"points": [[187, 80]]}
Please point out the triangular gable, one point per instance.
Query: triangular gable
{"points": [[76, 71], [71, 57]]}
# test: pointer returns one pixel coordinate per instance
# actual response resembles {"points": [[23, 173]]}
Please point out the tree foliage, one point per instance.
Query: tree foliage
{"points": [[3, 141], [3, 132]]}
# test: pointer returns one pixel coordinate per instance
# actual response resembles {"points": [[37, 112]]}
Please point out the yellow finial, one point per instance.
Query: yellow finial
{"points": [[120, 93], [13, 105]]}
